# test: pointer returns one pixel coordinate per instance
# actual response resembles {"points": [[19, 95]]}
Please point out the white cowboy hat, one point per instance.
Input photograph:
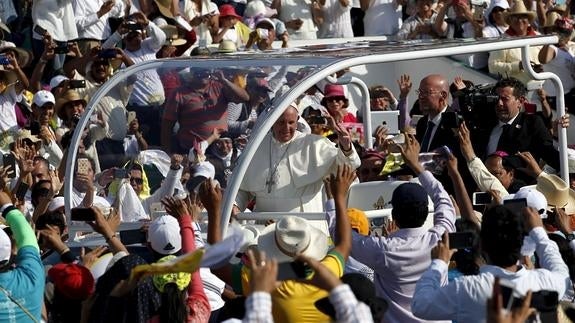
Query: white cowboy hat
{"points": [[291, 236], [557, 192], [519, 9]]}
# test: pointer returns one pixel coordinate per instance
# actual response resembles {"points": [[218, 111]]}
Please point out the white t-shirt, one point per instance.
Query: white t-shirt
{"points": [[383, 17], [563, 65], [8, 101]]}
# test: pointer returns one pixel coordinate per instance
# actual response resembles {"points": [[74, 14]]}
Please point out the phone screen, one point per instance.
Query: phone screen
{"points": [[83, 214], [461, 240], [292, 270], [21, 191], [9, 161], [482, 198], [133, 236], [516, 205]]}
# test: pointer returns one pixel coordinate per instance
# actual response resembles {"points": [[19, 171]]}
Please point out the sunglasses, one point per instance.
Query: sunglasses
{"points": [[137, 180]]}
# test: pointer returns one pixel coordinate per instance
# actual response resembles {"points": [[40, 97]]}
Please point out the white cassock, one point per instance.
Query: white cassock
{"points": [[288, 177]]}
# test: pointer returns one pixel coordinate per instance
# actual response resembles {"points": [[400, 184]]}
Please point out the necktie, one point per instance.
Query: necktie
{"points": [[427, 137], [504, 135]]}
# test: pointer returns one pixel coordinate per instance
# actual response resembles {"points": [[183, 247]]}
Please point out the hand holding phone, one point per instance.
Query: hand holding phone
{"points": [[482, 198], [83, 166], [39, 30], [461, 240], [136, 236], [9, 162], [83, 214]]}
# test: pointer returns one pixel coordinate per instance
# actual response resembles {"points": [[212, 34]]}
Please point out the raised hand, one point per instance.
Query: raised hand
{"points": [[410, 153], [323, 277], [442, 251], [264, 272], [531, 165], [175, 207], [90, 258], [340, 182], [210, 195], [405, 85], [465, 142]]}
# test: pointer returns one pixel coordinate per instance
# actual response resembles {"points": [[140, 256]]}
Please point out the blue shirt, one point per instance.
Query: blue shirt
{"points": [[26, 285]]}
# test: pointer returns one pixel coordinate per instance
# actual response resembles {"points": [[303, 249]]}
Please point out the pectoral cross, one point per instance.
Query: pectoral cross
{"points": [[269, 183]]}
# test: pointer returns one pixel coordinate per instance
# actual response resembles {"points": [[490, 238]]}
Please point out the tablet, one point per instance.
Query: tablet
{"points": [[390, 119]]}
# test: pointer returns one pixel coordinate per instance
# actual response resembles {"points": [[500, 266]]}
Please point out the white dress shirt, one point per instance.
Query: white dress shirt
{"points": [[465, 298], [496, 134], [87, 21], [400, 259]]}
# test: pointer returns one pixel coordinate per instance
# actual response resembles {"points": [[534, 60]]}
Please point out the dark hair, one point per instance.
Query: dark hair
{"points": [[519, 89], [51, 218], [38, 191], [412, 215], [40, 159], [501, 236], [173, 308], [466, 259]]}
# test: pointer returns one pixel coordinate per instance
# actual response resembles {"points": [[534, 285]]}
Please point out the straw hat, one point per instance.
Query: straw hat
{"points": [[164, 7], [27, 134], [68, 96], [519, 9], [227, 46], [23, 57], [172, 36], [291, 236], [557, 192], [550, 19]]}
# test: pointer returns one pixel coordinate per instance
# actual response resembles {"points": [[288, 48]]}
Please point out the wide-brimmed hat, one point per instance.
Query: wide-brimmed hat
{"points": [[291, 236], [227, 10], [557, 192], [23, 57], [561, 8], [68, 96], [227, 46], [164, 7], [257, 8], [27, 134], [333, 91], [172, 36], [550, 19], [519, 9]]}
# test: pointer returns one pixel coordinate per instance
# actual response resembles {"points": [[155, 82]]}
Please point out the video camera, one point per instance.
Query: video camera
{"points": [[477, 105]]}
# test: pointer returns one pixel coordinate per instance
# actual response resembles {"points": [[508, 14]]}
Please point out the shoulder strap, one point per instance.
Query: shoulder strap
{"points": [[24, 309]]}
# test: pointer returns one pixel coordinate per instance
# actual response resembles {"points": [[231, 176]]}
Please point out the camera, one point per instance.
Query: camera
{"points": [[477, 106]]}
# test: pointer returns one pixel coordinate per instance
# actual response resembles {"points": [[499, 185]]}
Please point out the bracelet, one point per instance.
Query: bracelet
{"points": [[110, 238]]}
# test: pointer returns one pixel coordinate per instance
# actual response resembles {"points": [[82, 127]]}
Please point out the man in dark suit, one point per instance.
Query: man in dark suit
{"points": [[431, 131], [436, 128], [518, 131]]}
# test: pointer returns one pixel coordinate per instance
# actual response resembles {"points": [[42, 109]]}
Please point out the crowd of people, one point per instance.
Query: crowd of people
{"points": [[162, 145]]}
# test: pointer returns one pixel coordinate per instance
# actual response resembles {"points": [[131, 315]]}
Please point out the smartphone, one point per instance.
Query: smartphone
{"points": [[507, 288], [77, 84], [9, 161], [450, 119], [83, 166], [4, 60], [39, 30], [516, 205], [63, 49], [121, 173], [107, 53], [530, 108], [156, 210], [136, 236], [478, 12], [461, 240], [83, 214], [131, 116], [292, 270], [133, 26], [21, 191], [482, 198]]}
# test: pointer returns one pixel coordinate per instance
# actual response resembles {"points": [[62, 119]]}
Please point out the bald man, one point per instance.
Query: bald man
{"points": [[432, 130], [289, 166]]}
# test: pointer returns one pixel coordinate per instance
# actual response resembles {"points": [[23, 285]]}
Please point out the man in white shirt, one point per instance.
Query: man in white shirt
{"points": [[502, 233], [91, 19]]}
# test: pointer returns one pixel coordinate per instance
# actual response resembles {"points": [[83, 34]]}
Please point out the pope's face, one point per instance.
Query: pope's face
{"points": [[284, 128]]}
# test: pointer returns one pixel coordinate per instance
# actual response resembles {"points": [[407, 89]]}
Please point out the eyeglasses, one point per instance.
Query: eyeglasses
{"points": [[425, 93], [335, 98], [136, 180]]}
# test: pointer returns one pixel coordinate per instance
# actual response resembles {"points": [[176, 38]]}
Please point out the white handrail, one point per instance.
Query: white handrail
{"points": [[256, 139]]}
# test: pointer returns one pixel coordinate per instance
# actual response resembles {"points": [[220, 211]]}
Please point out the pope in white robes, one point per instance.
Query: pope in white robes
{"points": [[287, 171]]}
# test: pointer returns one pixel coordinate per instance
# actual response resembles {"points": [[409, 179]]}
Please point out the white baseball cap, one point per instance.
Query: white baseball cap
{"points": [[42, 97], [535, 199], [164, 235], [57, 80]]}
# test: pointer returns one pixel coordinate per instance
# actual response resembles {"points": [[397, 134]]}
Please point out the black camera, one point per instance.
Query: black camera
{"points": [[477, 106]]}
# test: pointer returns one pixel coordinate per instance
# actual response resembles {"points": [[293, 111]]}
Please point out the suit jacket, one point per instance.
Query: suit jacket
{"points": [[528, 133], [445, 136]]}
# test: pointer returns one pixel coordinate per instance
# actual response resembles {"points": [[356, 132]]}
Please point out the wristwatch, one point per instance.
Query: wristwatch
{"points": [[570, 237]]}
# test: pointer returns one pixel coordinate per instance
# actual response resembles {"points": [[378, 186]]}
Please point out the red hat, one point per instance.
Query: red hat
{"points": [[332, 90], [227, 10], [73, 281]]}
